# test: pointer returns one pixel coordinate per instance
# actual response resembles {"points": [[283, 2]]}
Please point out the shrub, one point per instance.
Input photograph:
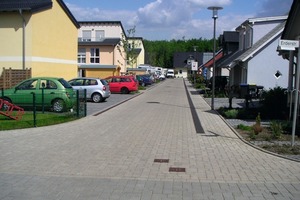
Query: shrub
{"points": [[276, 129], [257, 126], [274, 103], [231, 114], [244, 127]]}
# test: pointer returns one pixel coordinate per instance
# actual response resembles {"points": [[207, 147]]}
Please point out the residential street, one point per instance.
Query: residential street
{"points": [[164, 144]]}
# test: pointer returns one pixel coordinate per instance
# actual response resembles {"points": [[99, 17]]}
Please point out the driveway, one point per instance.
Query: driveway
{"points": [[163, 144]]}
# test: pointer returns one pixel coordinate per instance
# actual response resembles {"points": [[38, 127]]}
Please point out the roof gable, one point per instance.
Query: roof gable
{"points": [[292, 28], [119, 23], [262, 42], [34, 6], [29, 5], [230, 36]]}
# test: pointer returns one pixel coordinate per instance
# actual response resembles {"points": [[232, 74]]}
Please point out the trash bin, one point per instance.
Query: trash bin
{"points": [[252, 90], [244, 90]]}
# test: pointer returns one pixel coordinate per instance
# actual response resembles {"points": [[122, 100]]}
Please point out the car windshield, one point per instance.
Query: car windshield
{"points": [[64, 83]]}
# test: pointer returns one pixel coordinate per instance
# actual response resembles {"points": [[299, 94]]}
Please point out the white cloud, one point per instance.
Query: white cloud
{"points": [[175, 19], [97, 14]]}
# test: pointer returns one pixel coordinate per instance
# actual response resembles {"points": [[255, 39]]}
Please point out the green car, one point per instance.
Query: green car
{"points": [[55, 94]]}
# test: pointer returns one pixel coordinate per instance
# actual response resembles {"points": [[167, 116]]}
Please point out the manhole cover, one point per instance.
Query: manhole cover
{"points": [[153, 102], [161, 160], [176, 169]]}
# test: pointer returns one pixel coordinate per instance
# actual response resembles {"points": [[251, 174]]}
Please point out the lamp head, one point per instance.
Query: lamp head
{"points": [[215, 11]]}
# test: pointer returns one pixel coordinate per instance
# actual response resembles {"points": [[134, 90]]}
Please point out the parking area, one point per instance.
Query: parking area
{"points": [[146, 148], [113, 100]]}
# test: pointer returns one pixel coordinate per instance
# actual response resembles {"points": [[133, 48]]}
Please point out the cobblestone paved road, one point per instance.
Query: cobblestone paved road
{"points": [[111, 155]]}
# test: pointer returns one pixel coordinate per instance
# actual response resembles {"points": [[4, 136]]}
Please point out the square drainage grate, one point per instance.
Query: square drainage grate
{"points": [[161, 160], [176, 169]]}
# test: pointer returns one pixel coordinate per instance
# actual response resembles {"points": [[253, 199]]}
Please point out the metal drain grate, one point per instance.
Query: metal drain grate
{"points": [[176, 169], [161, 160]]}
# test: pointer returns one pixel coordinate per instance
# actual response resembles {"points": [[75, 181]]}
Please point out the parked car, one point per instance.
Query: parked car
{"points": [[170, 73], [58, 93], [97, 89], [144, 80], [122, 84]]}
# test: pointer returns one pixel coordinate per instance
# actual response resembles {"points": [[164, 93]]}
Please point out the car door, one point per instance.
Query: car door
{"points": [[114, 84], [88, 85], [23, 93], [50, 92]]}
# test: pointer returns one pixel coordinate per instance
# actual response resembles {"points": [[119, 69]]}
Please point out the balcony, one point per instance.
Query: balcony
{"points": [[90, 39]]}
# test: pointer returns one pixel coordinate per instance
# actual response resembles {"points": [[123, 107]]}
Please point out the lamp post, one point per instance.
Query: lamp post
{"points": [[214, 16]]}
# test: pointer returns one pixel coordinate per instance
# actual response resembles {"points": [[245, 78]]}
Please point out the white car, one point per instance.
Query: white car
{"points": [[170, 73], [97, 89]]}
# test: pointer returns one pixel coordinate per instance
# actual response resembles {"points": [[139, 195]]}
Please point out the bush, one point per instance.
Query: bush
{"points": [[274, 103], [257, 128], [231, 114], [244, 127], [276, 129]]}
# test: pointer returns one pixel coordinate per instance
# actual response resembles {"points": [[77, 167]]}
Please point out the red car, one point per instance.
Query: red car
{"points": [[122, 84]]}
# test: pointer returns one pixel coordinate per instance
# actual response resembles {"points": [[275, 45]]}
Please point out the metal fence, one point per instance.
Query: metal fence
{"points": [[39, 103]]}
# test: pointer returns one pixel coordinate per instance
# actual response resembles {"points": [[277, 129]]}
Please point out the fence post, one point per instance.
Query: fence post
{"points": [[77, 103], [34, 109], [85, 106], [43, 99]]}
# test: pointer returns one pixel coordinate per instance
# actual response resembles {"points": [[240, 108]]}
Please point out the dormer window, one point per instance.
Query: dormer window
{"points": [[86, 36], [99, 35]]}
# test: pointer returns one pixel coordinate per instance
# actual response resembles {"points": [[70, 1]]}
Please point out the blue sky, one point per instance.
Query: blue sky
{"points": [[175, 19]]}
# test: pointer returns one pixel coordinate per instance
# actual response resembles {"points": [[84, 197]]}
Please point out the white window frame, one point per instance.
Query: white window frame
{"points": [[95, 55], [86, 35], [81, 56]]}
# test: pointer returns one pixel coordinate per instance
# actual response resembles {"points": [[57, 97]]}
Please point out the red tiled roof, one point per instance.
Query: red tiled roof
{"points": [[209, 63]]}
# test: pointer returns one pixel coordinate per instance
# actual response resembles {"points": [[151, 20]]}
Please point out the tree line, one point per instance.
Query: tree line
{"points": [[160, 53]]}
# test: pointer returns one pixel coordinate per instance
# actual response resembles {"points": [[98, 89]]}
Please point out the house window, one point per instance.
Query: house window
{"points": [[99, 35], [81, 58], [95, 55], [86, 36]]}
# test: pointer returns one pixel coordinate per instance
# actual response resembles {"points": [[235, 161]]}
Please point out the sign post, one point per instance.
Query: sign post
{"points": [[194, 69], [291, 45]]}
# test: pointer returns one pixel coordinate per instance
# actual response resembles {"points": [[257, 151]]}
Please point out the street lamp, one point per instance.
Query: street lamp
{"points": [[214, 16]]}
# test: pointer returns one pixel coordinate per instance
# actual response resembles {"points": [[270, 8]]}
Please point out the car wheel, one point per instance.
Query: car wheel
{"points": [[124, 90], [58, 105], [97, 98]]}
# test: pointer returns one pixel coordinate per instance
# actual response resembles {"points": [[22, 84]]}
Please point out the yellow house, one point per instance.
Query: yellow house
{"points": [[138, 45], [41, 35]]}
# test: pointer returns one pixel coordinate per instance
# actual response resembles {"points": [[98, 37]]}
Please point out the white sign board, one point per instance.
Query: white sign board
{"points": [[288, 44], [194, 66]]}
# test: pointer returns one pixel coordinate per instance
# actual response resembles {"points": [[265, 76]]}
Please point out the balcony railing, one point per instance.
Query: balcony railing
{"points": [[91, 39]]}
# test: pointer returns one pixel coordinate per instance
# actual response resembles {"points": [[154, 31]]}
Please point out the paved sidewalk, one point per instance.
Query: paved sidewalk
{"points": [[111, 156]]}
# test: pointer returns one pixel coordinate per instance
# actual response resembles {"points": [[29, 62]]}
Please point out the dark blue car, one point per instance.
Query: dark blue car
{"points": [[144, 80]]}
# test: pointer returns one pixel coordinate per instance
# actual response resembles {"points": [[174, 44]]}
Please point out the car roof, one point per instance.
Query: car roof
{"points": [[120, 76], [42, 77], [85, 78]]}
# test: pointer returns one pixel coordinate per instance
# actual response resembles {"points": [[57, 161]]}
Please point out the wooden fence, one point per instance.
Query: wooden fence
{"points": [[11, 77]]}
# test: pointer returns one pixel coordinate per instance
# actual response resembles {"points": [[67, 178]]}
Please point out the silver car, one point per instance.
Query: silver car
{"points": [[97, 89]]}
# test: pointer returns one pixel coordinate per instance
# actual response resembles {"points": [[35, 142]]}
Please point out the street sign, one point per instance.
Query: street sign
{"points": [[288, 44], [194, 66]]}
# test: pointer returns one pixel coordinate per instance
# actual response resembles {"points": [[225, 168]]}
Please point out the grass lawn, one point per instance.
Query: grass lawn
{"points": [[42, 119]]}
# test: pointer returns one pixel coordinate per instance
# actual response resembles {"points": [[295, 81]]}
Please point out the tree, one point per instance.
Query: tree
{"points": [[129, 45], [160, 53]]}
